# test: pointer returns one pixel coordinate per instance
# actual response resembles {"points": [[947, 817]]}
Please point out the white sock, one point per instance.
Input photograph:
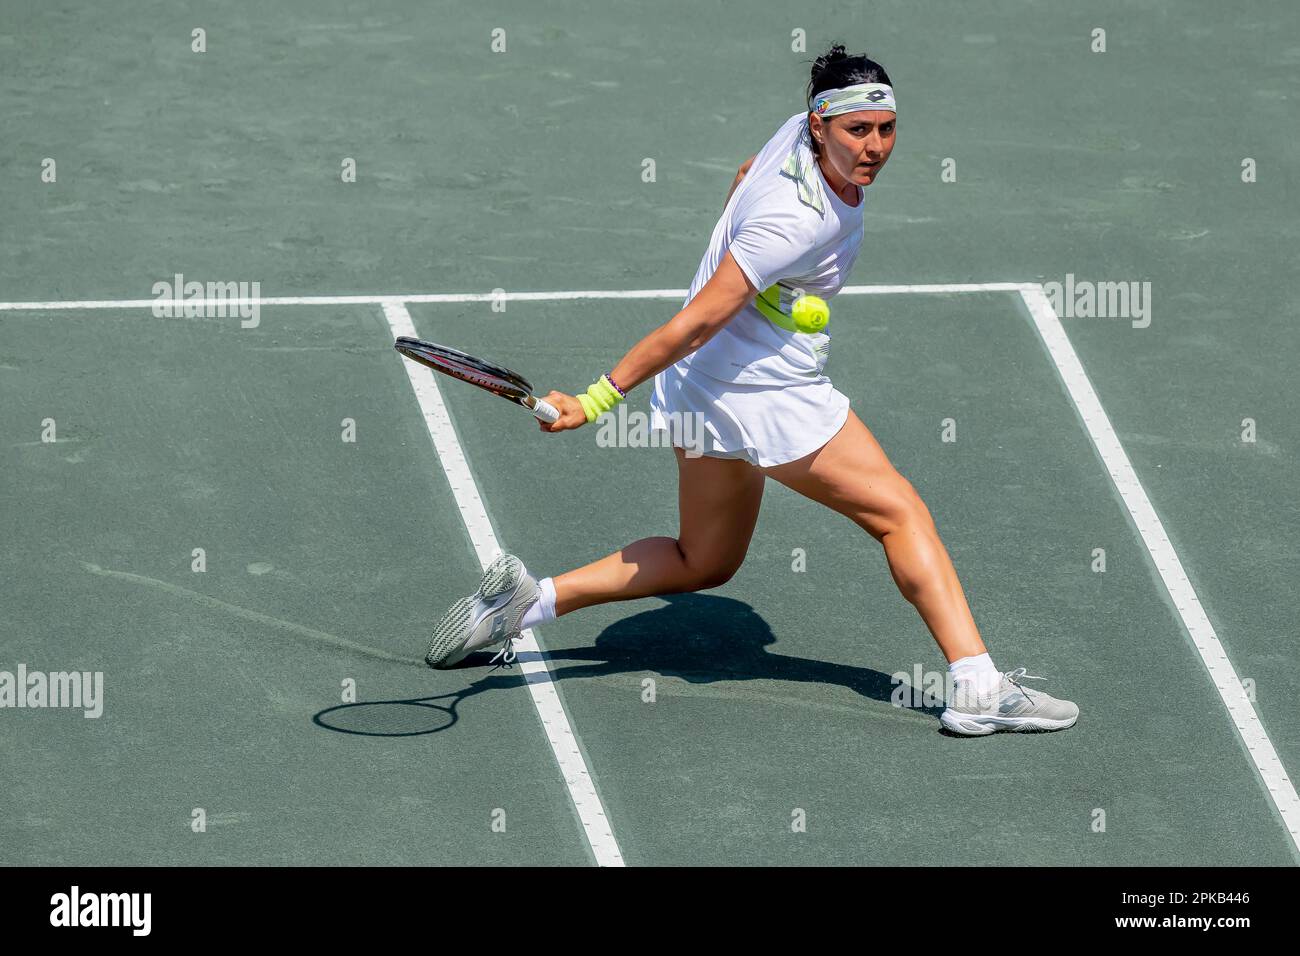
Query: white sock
{"points": [[978, 669], [543, 609]]}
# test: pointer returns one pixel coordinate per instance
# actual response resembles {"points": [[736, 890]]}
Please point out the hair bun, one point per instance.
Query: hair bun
{"points": [[834, 55]]}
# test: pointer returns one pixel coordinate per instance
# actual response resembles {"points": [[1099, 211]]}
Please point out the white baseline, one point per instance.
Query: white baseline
{"points": [[436, 297]]}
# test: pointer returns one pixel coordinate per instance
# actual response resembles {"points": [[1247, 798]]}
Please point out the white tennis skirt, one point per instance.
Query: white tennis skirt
{"points": [[765, 425]]}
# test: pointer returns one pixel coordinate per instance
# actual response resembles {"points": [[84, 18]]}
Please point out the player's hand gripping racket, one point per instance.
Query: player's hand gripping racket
{"points": [[467, 368]]}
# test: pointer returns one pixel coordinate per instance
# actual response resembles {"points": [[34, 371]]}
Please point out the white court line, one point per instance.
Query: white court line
{"points": [[532, 660], [1162, 552], [936, 289]]}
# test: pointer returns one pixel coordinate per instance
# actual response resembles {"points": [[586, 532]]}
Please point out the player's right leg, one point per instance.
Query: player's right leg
{"points": [[718, 502]]}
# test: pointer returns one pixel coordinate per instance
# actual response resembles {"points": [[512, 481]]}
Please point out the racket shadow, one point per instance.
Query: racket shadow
{"points": [[405, 717]]}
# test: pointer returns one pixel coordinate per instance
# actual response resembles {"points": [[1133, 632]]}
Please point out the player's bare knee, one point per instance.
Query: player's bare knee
{"points": [[720, 575], [713, 573], [894, 507], [701, 571]]}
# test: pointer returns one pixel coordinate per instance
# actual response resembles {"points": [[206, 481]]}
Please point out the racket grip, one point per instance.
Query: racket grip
{"points": [[545, 411]]}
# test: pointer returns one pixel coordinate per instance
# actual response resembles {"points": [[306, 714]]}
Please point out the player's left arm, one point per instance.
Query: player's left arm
{"points": [[740, 175]]}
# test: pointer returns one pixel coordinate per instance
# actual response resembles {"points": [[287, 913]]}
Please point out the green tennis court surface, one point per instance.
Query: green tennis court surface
{"points": [[277, 696]]}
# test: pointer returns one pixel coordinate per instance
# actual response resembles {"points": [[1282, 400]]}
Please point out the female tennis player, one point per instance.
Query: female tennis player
{"points": [[736, 360]]}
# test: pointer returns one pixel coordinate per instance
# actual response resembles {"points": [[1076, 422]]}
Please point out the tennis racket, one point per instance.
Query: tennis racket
{"points": [[467, 368]]}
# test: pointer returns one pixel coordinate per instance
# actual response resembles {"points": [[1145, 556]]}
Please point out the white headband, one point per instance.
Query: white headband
{"points": [[854, 99]]}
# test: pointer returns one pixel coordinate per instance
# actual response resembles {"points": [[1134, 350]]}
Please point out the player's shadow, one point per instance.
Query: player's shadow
{"points": [[701, 639], [697, 638]]}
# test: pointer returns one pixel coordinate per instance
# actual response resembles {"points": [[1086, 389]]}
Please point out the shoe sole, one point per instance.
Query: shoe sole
{"points": [[972, 725], [447, 648]]}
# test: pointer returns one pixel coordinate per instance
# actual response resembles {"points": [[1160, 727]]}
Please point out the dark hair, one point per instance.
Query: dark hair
{"points": [[835, 69]]}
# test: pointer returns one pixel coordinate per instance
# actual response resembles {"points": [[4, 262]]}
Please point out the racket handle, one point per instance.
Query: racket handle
{"points": [[545, 411]]}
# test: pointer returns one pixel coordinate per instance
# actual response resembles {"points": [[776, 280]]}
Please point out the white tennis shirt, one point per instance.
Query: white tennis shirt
{"points": [[775, 236]]}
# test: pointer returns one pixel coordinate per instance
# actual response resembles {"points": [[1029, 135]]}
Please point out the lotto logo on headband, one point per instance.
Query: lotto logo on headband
{"points": [[877, 95]]}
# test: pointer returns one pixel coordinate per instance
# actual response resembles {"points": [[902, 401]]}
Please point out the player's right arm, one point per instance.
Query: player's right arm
{"points": [[724, 295], [716, 304]]}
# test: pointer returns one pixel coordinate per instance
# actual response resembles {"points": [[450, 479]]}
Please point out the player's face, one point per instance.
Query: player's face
{"points": [[857, 145]]}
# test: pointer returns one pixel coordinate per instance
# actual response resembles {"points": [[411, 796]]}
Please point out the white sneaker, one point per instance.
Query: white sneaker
{"points": [[1010, 707], [486, 618]]}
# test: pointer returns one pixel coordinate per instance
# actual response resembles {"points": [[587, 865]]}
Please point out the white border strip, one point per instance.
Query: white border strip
{"points": [[938, 289], [1162, 552], [532, 660]]}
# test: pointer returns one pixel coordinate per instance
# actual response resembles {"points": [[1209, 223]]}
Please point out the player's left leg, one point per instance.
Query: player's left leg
{"points": [[852, 475]]}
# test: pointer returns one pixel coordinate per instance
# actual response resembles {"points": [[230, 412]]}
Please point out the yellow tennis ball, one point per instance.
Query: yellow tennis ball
{"points": [[810, 313]]}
